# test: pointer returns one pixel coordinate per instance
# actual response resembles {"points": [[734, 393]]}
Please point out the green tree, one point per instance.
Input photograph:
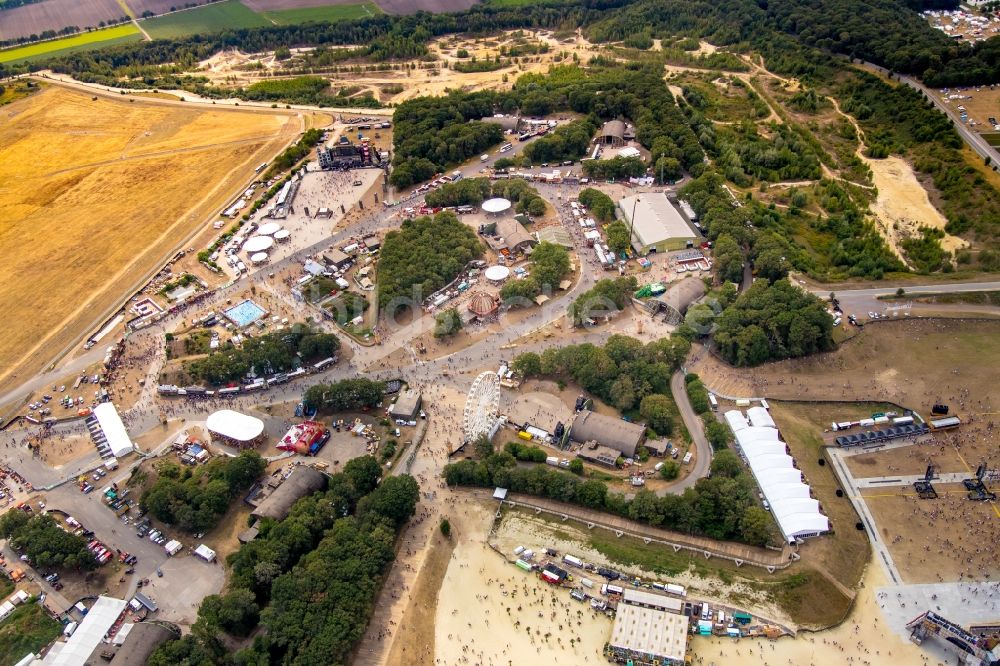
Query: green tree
{"points": [[395, 499], [755, 526], [670, 470], [445, 527], [363, 473], [527, 364], [618, 237], [726, 464], [658, 412], [576, 466], [447, 323]]}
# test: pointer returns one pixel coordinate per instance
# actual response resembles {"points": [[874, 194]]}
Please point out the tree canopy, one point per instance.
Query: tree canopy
{"points": [[194, 499], [422, 256]]}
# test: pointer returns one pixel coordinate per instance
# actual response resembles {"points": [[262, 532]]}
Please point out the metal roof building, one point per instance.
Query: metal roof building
{"points": [[301, 482], [612, 432], [515, 237], [658, 226], [612, 133], [649, 634]]}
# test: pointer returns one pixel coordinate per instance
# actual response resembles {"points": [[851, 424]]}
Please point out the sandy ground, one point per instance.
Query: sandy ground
{"points": [[942, 540], [863, 640], [522, 528], [232, 66], [903, 207], [490, 612]]}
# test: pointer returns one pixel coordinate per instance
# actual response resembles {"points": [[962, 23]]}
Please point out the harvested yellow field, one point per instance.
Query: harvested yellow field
{"points": [[96, 193]]}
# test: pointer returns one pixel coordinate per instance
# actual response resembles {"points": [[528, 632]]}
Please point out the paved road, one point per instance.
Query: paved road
{"points": [[703, 455], [859, 302], [970, 136]]}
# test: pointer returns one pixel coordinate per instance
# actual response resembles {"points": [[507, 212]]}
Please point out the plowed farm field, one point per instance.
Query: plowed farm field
{"points": [[96, 193], [56, 15]]}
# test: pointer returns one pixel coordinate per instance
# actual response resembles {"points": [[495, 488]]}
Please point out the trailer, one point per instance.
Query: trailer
{"points": [[521, 564], [573, 561]]}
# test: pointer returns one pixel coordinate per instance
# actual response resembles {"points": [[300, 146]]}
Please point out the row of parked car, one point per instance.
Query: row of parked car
{"points": [[101, 552]]}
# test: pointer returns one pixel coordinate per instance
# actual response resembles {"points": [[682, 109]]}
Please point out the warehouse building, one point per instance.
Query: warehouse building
{"points": [[649, 635], [657, 226], [608, 431]]}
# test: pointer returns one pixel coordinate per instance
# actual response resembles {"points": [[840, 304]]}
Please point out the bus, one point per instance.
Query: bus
{"points": [[325, 363], [713, 402]]}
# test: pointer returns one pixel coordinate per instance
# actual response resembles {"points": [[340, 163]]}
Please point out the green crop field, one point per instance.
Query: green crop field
{"points": [[86, 41], [215, 17], [325, 13]]}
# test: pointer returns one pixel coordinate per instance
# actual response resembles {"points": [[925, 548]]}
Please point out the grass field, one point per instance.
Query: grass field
{"points": [[83, 42], [325, 13], [97, 192], [207, 18], [28, 629]]}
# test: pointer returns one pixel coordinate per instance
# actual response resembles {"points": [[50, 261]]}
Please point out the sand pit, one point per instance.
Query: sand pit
{"points": [[903, 207], [490, 612]]}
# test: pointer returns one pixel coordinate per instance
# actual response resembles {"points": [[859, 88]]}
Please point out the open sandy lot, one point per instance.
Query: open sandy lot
{"points": [[96, 192], [903, 206], [946, 539], [490, 612]]}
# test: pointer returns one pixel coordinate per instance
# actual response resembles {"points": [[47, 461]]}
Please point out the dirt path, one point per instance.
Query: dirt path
{"points": [[902, 205]]}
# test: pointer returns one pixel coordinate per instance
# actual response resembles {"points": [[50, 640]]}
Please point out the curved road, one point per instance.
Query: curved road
{"points": [[703, 450]]}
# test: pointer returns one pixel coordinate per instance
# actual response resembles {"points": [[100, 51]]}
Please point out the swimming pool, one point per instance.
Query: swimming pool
{"points": [[245, 313]]}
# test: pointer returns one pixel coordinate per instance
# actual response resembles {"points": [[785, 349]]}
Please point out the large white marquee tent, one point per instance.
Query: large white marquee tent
{"points": [[796, 513]]}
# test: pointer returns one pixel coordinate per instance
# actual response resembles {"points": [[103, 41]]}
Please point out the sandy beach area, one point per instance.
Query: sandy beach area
{"points": [[490, 612], [864, 639]]}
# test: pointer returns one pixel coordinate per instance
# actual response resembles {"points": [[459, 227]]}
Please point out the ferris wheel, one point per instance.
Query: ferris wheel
{"points": [[482, 406]]}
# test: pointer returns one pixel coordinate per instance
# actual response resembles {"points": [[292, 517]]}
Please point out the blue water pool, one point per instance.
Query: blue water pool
{"points": [[245, 313]]}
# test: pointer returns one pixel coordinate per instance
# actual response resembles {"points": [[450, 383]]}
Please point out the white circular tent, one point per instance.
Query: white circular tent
{"points": [[258, 244], [497, 273], [282, 236], [258, 258], [239, 429], [482, 406], [496, 206], [268, 229]]}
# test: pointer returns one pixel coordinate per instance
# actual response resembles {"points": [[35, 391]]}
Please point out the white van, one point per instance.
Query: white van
{"points": [[484, 157]]}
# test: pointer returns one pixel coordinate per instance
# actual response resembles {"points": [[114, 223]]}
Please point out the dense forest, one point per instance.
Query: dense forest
{"points": [[306, 585], [194, 499], [622, 372], [424, 255], [887, 32], [720, 506], [266, 354]]}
